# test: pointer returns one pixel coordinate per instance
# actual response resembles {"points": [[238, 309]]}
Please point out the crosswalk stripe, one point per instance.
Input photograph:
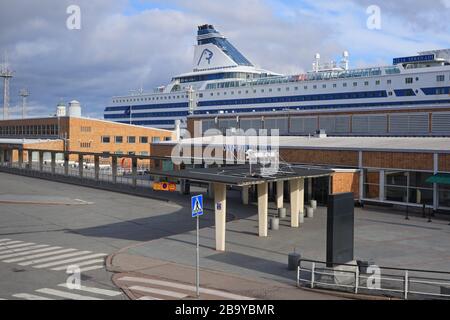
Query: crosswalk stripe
{"points": [[148, 298], [20, 245], [38, 255], [81, 264], [53, 258], [11, 255], [91, 268], [23, 249], [67, 295], [10, 242], [27, 296], [105, 292], [167, 293], [3, 240], [186, 287], [51, 264]]}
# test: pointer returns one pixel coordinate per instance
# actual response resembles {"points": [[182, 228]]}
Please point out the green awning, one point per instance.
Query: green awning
{"points": [[440, 178]]}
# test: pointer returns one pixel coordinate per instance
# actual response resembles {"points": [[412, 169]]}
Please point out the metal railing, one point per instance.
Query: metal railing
{"points": [[143, 182], [374, 280]]}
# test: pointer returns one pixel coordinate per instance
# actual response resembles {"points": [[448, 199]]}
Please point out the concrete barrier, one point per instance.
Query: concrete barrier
{"points": [[274, 223], [309, 212], [282, 213]]}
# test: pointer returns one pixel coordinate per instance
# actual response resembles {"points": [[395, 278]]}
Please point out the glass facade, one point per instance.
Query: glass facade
{"points": [[444, 196], [399, 186]]}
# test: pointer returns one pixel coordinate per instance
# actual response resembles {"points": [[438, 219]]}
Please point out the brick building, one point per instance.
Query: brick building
{"points": [[80, 135], [380, 169]]}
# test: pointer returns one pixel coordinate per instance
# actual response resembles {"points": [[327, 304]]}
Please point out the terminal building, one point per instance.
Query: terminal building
{"points": [[73, 133], [408, 164]]}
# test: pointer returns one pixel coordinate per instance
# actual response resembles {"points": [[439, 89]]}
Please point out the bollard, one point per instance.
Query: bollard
{"points": [[309, 212], [423, 211], [274, 223], [293, 260], [429, 216], [407, 213], [313, 204], [301, 217], [282, 213]]}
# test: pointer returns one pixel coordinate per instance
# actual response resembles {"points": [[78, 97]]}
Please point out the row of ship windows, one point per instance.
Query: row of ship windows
{"points": [[152, 98], [439, 78], [286, 99], [409, 80]]}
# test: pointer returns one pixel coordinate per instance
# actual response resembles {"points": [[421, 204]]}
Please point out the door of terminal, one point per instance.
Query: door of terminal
{"points": [[320, 190]]}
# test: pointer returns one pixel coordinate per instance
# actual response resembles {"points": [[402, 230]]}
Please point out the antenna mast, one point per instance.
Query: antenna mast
{"points": [[6, 73], [24, 94]]}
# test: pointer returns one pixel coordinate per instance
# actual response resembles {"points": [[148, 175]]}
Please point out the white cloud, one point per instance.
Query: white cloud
{"points": [[116, 51]]}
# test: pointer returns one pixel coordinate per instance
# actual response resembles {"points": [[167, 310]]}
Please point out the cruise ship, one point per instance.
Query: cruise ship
{"points": [[224, 81]]}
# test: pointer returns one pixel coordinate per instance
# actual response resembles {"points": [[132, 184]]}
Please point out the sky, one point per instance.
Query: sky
{"points": [[124, 45]]}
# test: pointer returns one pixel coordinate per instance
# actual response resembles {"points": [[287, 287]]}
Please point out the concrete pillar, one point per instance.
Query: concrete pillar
{"points": [[30, 159], [97, 167], [8, 156], [435, 186], [20, 151], [220, 204], [280, 194], [295, 208], [263, 204], [66, 163], [361, 176], [80, 165], [211, 191], [301, 196], [134, 164], [245, 195], [53, 163], [41, 161], [114, 169], [381, 192]]}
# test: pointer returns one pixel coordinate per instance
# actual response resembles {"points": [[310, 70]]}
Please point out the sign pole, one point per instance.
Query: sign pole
{"points": [[198, 258], [197, 211]]}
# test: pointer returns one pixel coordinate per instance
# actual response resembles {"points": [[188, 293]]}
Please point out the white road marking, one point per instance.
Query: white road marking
{"points": [[148, 298], [67, 295], [38, 255], [23, 249], [3, 240], [25, 252], [81, 264], [51, 264], [27, 296], [172, 294], [20, 245], [105, 292], [91, 268], [10, 242], [53, 258], [186, 287]]}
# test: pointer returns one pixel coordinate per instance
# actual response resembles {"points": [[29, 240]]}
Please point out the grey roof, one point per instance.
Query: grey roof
{"points": [[402, 144], [240, 175]]}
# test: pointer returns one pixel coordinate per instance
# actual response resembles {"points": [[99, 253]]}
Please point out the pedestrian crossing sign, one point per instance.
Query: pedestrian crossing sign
{"points": [[197, 206]]}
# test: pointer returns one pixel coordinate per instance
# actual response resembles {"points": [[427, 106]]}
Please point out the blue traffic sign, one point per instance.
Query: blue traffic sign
{"points": [[197, 206]]}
